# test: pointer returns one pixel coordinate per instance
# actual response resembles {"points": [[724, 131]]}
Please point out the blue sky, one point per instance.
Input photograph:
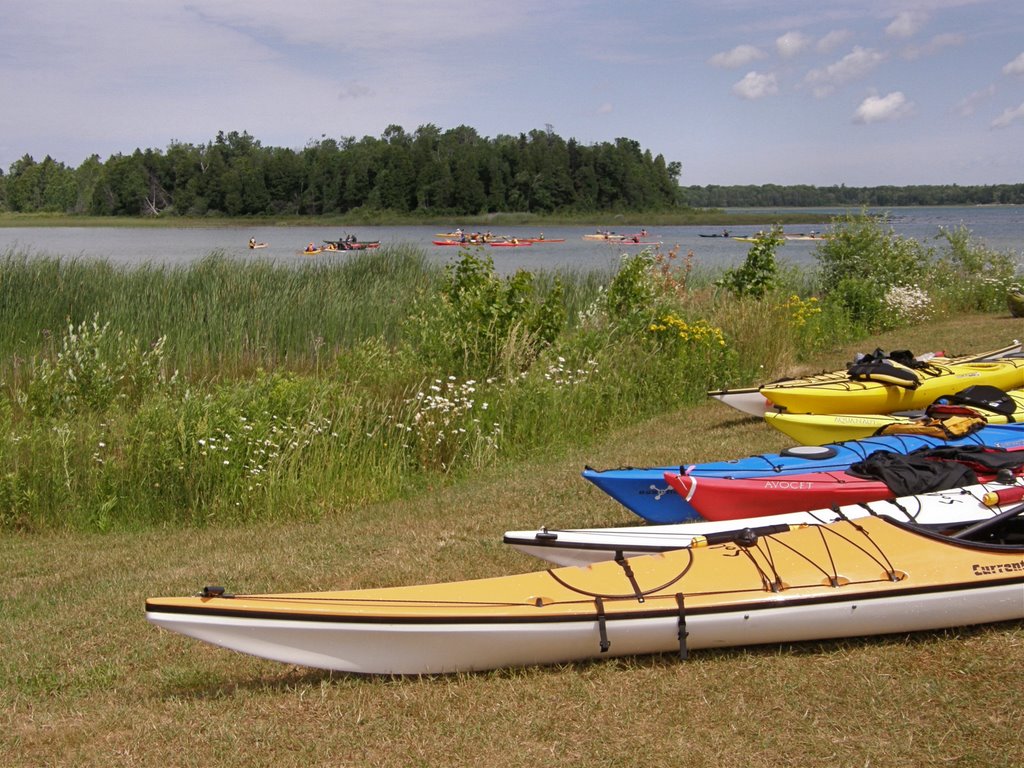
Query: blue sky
{"points": [[855, 92]]}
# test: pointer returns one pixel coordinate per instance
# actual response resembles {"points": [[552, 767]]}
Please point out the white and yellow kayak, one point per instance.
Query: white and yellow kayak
{"points": [[586, 546], [849, 578], [877, 396]]}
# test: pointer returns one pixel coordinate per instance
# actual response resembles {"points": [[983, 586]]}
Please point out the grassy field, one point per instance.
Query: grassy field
{"points": [[85, 681]]}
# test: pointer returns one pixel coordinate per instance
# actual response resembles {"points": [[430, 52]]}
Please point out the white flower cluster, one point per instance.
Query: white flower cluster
{"points": [[908, 302], [256, 448], [561, 376], [443, 418]]}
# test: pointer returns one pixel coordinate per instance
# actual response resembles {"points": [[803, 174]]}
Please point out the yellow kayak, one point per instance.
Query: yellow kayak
{"points": [[822, 428], [750, 399], [920, 389], [849, 578]]}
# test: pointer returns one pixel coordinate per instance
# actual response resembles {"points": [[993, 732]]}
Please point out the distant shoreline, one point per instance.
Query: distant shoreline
{"points": [[708, 217]]}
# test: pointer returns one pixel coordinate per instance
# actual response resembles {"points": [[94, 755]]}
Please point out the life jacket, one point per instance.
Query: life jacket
{"points": [[884, 372], [949, 427], [900, 368]]}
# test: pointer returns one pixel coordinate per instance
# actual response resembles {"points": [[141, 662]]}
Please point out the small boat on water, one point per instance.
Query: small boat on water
{"points": [[350, 245], [510, 243], [585, 546], [604, 236], [253, 245], [868, 576]]}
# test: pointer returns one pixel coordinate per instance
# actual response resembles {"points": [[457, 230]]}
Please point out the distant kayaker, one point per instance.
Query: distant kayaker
{"points": [[252, 242]]}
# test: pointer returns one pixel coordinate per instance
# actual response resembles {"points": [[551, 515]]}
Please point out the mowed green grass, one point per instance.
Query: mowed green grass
{"points": [[86, 681]]}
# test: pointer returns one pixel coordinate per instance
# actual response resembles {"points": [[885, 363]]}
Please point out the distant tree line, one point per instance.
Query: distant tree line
{"points": [[802, 195], [429, 171]]}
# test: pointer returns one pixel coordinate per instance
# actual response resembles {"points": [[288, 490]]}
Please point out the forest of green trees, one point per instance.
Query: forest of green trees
{"points": [[429, 172], [803, 195]]}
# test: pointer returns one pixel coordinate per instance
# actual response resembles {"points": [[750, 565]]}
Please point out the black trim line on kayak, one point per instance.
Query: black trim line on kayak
{"points": [[773, 603]]}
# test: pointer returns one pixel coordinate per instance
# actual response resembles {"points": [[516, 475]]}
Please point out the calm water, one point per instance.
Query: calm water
{"points": [[1000, 227]]}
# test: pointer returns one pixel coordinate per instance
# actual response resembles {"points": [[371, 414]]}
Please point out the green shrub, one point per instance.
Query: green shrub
{"points": [[861, 259], [969, 276], [479, 324], [94, 370], [759, 272]]}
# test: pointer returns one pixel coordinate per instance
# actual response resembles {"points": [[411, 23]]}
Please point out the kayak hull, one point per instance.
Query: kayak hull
{"points": [[644, 491], [820, 428], [877, 397], [751, 400], [586, 546], [866, 577]]}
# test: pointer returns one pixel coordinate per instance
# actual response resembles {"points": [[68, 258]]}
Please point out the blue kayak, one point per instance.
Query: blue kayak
{"points": [[643, 490]]}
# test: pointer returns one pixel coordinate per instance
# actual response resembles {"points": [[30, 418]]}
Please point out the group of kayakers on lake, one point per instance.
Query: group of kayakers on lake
{"points": [[461, 237], [475, 237], [347, 243]]}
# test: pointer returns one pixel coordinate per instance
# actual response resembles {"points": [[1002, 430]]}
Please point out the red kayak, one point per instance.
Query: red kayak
{"points": [[510, 245], [717, 498], [726, 498]]}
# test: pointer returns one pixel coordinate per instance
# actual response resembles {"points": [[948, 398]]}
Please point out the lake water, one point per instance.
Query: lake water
{"points": [[999, 227]]}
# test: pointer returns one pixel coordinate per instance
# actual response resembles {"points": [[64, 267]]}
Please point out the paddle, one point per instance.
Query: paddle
{"points": [[992, 522]]}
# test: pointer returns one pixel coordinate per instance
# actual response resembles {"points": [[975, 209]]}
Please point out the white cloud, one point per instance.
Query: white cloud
{"points": [[739, 56], [906, 23], [1009, 116], [933, 46], [791, 43], [876, 109], [852, 66], [1015, 67], [756, 85], [832, 40], [968, 105]]}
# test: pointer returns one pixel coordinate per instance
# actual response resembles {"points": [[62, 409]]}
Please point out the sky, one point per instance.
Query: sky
{"points": [[822, 92]]}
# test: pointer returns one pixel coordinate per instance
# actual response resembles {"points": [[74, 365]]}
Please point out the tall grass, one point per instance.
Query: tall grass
{"points": [[221, 316], [229, 391]]}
